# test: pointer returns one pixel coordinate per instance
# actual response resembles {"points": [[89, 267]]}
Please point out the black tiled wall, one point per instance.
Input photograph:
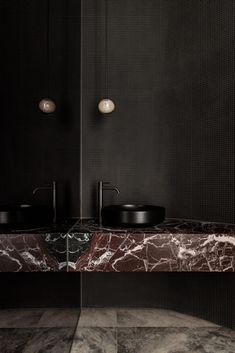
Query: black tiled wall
{"points": [[171, 74], [209, 296], [35, 148]]}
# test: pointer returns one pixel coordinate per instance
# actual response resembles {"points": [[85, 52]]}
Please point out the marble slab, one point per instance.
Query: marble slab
{"points": [[14, 340], [59, 318], [124, 330], [37, 330], [98, 317], [158, 318], [170, 225], [32, 252], [50, 340], [20, 318], [173, 246], [172, 340], [138, 317], [38, 249], [61, 227], [94, 340]]}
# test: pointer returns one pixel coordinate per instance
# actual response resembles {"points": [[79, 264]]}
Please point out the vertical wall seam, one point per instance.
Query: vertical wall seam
{"points": [[81, 116]]}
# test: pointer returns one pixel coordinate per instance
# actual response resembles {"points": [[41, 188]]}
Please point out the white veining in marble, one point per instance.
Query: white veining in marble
{"points": [[220, 238], [146, 252]]}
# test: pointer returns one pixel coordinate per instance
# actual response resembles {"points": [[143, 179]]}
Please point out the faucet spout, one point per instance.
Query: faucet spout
{"points": [[112, 188], [53, 188], [41, 188], [101, 187], [117, 190]]}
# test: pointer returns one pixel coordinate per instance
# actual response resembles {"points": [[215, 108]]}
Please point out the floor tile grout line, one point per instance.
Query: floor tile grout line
{"points": [[36, 330], [74, 332], [111, 330]]}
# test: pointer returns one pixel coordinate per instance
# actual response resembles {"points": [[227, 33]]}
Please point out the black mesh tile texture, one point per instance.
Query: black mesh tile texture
{"points": [[36, 148], [170, 140]]}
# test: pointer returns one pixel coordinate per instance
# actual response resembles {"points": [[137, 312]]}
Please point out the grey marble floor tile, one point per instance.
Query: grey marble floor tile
{"points": [[13, 340], [20, 318], [50, 340], [59, 318], [157, 318], [98, 318], [94, 340], [176, 340]]}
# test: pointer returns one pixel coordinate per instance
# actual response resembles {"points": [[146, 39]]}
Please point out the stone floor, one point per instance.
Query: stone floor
{"points": [[37, 330], [110, 331], [148, 331]]}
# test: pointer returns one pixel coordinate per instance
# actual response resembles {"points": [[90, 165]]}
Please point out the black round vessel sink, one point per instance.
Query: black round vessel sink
{"points": [[24, 214], [132, 215]]}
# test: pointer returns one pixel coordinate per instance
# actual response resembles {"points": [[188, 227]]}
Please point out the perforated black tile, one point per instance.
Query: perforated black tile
{"points": [[171, 73]]}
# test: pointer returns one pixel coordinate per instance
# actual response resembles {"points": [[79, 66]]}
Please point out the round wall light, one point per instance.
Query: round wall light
{"points": [[47, 105], [106, 106]]}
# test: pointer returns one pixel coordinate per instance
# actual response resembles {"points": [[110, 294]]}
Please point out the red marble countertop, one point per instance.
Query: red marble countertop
{"points": [[175, 245]]}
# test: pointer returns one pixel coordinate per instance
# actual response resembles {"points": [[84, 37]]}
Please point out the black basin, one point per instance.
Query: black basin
{"points": [[25, 214], [132, 215]]}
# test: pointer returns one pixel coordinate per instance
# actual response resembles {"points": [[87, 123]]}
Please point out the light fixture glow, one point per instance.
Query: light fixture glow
{"points": [[47, 106], [106, 106]]}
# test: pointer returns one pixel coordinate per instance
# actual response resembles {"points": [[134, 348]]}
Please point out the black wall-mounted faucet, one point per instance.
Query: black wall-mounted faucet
{"points": [[53, 188], [104, 185]]}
